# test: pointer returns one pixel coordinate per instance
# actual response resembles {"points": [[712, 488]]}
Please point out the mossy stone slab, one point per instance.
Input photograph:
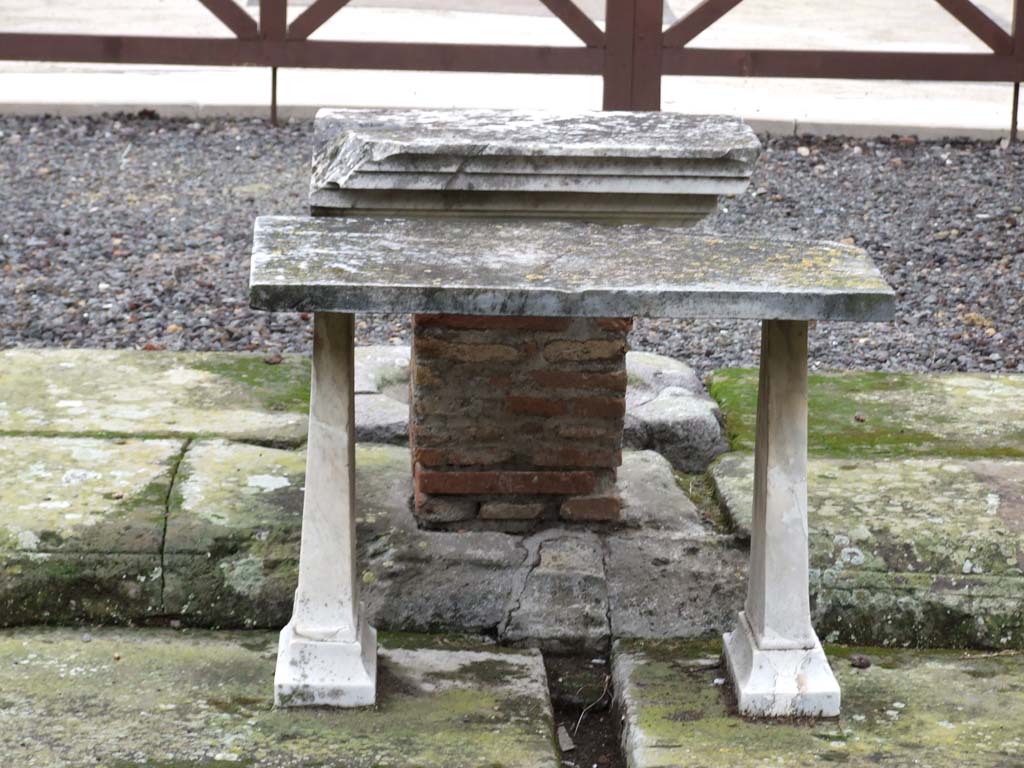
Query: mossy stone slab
{"points": [[922, 551], [64, 495], [166, 699], [81, 525], [233, 544], [153, 394], [866, 414], [933, 709]]}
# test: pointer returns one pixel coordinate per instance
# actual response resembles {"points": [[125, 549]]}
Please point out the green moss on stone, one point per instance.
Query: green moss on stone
{"points": [[868, 414], [200, 698], [940, 709]]}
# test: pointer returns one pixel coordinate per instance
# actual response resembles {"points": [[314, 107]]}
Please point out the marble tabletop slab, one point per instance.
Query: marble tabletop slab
{"points": [[488, 267]]}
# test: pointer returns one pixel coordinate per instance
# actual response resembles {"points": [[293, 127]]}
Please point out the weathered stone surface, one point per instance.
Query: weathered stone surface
{"points": [[381, 419], [668, 585], [928, 549], [682, 426], [651, 499], [650, 373], [163, 698], [661, 210], [609, 152], [233, 540], [865, 414], [90, 392], [548, 268], [380, 368], [83, 495], [563, 605], [81, 522], [668, 410], [909, 708]]}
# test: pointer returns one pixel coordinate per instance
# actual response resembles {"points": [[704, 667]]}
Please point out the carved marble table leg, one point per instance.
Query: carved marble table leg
{"points": [[774, 657], [327, 653]]}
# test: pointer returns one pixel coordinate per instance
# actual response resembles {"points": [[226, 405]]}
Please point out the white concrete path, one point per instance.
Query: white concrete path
{"points": [[774, 105]]}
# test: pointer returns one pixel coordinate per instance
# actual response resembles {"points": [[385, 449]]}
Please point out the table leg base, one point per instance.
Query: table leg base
{"points": [[779, 683], [312, 673]]}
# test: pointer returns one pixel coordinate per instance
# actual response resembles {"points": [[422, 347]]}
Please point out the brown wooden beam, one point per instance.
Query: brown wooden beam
{"points": [[646, 92], [696, 21], [980, 24], [618, 54], [577, 21], [273, 19], [337, 54], [311, 19], [234, 17], [855, 65]]}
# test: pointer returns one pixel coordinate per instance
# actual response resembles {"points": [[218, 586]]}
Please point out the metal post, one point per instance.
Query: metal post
{"points": [[1014, 112], [273, 95], [273, 27]]}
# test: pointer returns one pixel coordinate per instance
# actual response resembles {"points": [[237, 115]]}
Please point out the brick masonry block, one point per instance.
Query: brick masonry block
{"points": [[462, 457], [535, 406], [555, 378], [511, 510], [615, 324], [466, 352], [598, 407], [572, 456], [592, 509], [457, 483], [487, 323], [577, 351]]}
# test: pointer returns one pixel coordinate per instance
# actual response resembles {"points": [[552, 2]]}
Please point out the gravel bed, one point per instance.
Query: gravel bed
{"points": [[134, 232]]}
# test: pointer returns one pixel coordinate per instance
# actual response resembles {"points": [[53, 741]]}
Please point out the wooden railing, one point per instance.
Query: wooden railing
{"points": [[631, 54]]}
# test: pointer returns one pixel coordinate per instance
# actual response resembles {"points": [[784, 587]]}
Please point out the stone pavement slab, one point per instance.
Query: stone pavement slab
{"points": [[233, 532], [84, 392], [90, 392], [928, 709], [81, 527], [925, 549], [163, 698], [892, 414]]}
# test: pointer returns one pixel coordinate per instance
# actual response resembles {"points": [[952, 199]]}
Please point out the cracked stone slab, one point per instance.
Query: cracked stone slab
{"points": [[563, 606], [668, 585], [81, 522], [873, 414], [939, 709], [233, 541], [651, 498], [929, 548], [158, 697], [546, 268]]}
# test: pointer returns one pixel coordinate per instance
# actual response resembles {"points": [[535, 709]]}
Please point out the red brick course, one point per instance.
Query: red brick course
{"points": [[516, 418]]}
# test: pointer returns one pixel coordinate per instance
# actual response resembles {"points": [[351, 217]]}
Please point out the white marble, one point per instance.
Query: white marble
{"points": [[547, 268], [327, 654], [774, 656], [441, 153], [779, 683]]}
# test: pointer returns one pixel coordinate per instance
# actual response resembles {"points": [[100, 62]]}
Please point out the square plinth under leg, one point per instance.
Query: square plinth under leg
{"points": [[314, 673], [779, 683]]}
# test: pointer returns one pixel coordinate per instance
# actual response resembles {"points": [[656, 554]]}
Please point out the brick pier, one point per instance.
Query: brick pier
{"points": [[517, 418]]}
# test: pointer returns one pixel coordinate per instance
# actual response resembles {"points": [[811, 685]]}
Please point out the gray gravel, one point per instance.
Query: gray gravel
{"points": [[135, 232]]}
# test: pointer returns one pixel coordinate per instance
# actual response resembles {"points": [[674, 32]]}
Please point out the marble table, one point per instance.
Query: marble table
{"points": [[338, 267]]}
